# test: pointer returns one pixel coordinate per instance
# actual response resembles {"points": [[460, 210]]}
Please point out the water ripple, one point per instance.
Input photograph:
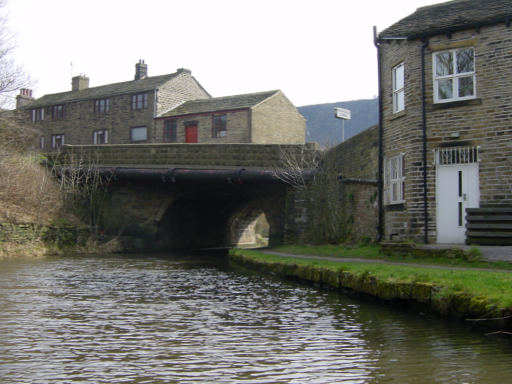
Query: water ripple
{"points": [[175, 320]]}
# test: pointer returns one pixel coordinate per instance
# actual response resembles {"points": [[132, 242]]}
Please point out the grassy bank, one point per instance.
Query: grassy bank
{"points": [[401, 253], [467, 294]]}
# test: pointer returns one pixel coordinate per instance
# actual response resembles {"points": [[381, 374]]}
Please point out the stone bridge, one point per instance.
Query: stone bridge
{"points": [[165, 196]]}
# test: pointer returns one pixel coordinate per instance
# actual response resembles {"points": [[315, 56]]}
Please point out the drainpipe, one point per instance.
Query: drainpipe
{"points": [[380, 187], [424, 128]]}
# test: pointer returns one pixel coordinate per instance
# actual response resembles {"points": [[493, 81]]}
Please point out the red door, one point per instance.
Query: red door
{"points": [[191, 134]]}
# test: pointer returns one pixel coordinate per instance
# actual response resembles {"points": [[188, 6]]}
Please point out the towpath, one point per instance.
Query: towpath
{"points": [[381, 261]]}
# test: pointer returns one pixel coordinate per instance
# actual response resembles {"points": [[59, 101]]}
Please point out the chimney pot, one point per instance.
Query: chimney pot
{"points": [[24, 98]]}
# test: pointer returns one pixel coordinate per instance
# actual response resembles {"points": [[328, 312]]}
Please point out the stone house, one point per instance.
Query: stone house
{"points": [[118, 113], [445, 85], [258, 118]]}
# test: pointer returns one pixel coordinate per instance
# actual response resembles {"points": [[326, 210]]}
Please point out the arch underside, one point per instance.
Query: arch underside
{"points": [[218, 217]]}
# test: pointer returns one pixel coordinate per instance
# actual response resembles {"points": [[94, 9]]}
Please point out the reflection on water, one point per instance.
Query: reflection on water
{"points": [[190, 319]]}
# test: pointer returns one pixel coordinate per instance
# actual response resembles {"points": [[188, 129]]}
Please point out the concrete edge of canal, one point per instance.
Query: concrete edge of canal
{"points": [[418, 294]]}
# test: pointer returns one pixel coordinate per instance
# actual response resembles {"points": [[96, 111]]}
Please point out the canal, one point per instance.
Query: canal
{"points": [[195, 319]]}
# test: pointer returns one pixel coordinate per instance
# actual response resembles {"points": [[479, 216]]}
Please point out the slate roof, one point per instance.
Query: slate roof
{"points": [[450, 16], [214, 104], [127, 87]]}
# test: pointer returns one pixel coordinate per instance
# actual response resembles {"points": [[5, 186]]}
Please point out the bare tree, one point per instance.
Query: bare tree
{"points": [[296, 165], [84, 189], [12, 75], [314, 177]]}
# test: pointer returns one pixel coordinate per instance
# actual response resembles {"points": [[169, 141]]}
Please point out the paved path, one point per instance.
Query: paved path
{"points": [[489, 252], [380, 261]]}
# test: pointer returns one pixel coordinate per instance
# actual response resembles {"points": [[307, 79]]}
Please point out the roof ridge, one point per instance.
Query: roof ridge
{"points": [[113, 89]]}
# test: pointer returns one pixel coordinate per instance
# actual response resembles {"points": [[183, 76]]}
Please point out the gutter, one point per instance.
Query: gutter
{"points": [[380, 186]]}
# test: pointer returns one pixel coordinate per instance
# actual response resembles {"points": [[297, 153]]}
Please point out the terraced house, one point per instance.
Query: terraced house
{"points": [[446, 123], [129, 113], [258, 118], [117, 113]]}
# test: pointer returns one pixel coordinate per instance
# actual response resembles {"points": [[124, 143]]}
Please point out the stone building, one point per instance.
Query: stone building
{"points": [[117, 113], [258, 118], [158, 109], [446, 121]]}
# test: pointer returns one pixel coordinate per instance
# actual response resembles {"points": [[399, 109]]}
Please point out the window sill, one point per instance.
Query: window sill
{"points": [[397, 115], [454, 104], [390, 207]]}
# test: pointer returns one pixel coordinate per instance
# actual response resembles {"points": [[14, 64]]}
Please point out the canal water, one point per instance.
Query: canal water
{"points": [[193, 319]]}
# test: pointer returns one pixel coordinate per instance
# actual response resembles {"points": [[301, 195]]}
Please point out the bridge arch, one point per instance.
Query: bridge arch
{"points": [[223, 217]]}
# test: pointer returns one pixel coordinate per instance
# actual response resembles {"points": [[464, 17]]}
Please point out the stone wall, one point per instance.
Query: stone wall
{"points": [[484, 122], [237, 131], [181, 88], [79, 120], [341, 203], [181, 155], [276, 120], [29, 232], [357, 165]]}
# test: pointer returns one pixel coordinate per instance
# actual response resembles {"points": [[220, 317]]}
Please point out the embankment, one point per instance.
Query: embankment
{"points": [[448, 292]]}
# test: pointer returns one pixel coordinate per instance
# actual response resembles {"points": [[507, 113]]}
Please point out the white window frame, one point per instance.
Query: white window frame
{"points": [[398, 85], [59, 137], [394, 180], [455, 76], [101, 106], [98, 134], [139, 129], [139, 101], [38, 114]]}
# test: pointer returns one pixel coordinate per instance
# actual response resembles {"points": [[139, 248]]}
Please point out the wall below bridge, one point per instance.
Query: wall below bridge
{"points": [[157, 216]]}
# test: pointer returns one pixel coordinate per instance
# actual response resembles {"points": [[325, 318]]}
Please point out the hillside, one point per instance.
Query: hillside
{"points": [[325, 129]]}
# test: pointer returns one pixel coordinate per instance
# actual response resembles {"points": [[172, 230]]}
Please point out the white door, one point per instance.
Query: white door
{"points": [[457, 188]]}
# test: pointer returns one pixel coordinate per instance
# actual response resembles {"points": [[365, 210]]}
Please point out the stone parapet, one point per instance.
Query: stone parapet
{"points": [[209, 156]]}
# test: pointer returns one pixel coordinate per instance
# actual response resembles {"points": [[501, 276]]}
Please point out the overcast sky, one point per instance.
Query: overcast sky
{"points": [[315, 51]]}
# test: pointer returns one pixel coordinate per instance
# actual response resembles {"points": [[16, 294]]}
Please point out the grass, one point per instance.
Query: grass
{"points": [[493, 286], [473, 260]]}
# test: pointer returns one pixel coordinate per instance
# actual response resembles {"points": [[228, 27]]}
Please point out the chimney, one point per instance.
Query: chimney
{"points": [[184, 70], [141, 70], [24, 97], [79, 82]]}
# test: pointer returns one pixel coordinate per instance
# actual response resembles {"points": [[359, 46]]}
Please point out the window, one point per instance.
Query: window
{"points": [[140, 101], [57, 141], [41, 142], [38, 114], [219, 126], [394, 180], [57, 112], [454, 75], [100, 136], [138, 134], [170, 131], [101, 106], [398, 88]]}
